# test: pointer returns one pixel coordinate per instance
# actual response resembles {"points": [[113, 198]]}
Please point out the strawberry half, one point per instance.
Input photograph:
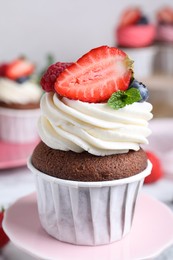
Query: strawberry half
{"points": [[130, 16], [96, 75], [165, 15], [19, 68]]}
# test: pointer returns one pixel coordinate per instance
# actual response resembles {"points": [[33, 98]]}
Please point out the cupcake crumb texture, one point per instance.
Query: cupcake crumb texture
{"points": [[87, 167]]}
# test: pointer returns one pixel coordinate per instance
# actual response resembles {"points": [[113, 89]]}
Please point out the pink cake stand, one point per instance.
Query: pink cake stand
{"points": [[151, 233]]}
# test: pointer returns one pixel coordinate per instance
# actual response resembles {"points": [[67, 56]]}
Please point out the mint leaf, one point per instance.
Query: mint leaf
{"points": [[121, 98]]}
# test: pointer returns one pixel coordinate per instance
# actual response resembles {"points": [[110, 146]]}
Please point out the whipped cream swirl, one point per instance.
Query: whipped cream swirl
{"points": [[13, 92], [96, 128]]}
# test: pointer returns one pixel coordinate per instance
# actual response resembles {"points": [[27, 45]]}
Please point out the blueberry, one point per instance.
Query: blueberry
{"points": [[142, 88], [22, 79], [143, 20]]}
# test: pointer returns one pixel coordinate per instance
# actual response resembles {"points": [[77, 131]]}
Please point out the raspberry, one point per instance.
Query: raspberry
{"points": [[50, 76], [3, 68]]}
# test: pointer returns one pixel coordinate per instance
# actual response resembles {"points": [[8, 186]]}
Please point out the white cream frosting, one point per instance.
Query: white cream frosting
{"points": [[14, 92], [94, 127]]}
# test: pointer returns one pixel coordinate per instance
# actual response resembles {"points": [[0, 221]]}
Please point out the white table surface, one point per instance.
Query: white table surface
{"points": [[15, 183]]}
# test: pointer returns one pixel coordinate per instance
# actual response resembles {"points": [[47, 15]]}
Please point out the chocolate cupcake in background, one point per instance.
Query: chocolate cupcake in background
{"points": [[19, 101], [165, 24], [89, 166]]}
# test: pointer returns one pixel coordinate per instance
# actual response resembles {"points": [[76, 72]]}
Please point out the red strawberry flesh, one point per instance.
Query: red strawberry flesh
{"points": [[165, 15], [157, 171], [19, 68], [96, 75], [130, 16]]}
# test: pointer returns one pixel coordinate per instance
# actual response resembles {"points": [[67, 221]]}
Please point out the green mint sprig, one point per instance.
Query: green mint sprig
{"points": [[121, 98]]}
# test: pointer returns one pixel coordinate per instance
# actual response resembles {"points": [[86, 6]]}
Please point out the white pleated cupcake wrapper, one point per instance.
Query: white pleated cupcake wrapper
{"points": [[18, 126], [85, 213]]}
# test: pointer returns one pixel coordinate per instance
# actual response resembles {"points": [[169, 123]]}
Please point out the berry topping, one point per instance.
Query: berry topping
{"points": [[49, 77], [142, 89], [130, 16], [165, 15], [143, 20], [22, 79], [19, 68], [3, 237], [157, 171], [96, 75], [3, 68]]}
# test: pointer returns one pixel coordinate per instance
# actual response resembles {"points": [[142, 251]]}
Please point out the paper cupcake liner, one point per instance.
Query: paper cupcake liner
{"points": [[18, 126], [87, 213], [143, 60]]}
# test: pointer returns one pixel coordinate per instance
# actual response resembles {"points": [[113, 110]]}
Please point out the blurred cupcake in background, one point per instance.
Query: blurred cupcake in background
{"points": [[164, 18], [20, 95], [136, 36], [165, 24]]}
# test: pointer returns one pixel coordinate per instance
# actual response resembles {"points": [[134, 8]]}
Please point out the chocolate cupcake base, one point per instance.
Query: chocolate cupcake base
{"points": [[87, 167]]}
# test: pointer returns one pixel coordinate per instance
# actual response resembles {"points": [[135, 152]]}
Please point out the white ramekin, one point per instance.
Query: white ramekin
{"points": [[87, 213], [18, 126]]}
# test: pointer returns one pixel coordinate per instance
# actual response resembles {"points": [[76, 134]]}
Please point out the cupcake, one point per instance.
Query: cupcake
{"points": [[136, 36], [165, 25], [19, 102], [89, 166], [165, 40]]}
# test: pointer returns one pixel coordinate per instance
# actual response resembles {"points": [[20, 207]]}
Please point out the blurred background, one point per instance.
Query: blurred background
{"points": [[66, 30]]}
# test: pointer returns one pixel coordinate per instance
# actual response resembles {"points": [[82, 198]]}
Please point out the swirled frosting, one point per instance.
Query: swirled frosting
{"points": [[93, 127], [13, 92]]}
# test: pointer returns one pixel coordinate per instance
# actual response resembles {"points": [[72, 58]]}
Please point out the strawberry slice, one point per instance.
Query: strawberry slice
{"points": [[165, 15], [130, 16], [96, 75], [19, 68]]}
